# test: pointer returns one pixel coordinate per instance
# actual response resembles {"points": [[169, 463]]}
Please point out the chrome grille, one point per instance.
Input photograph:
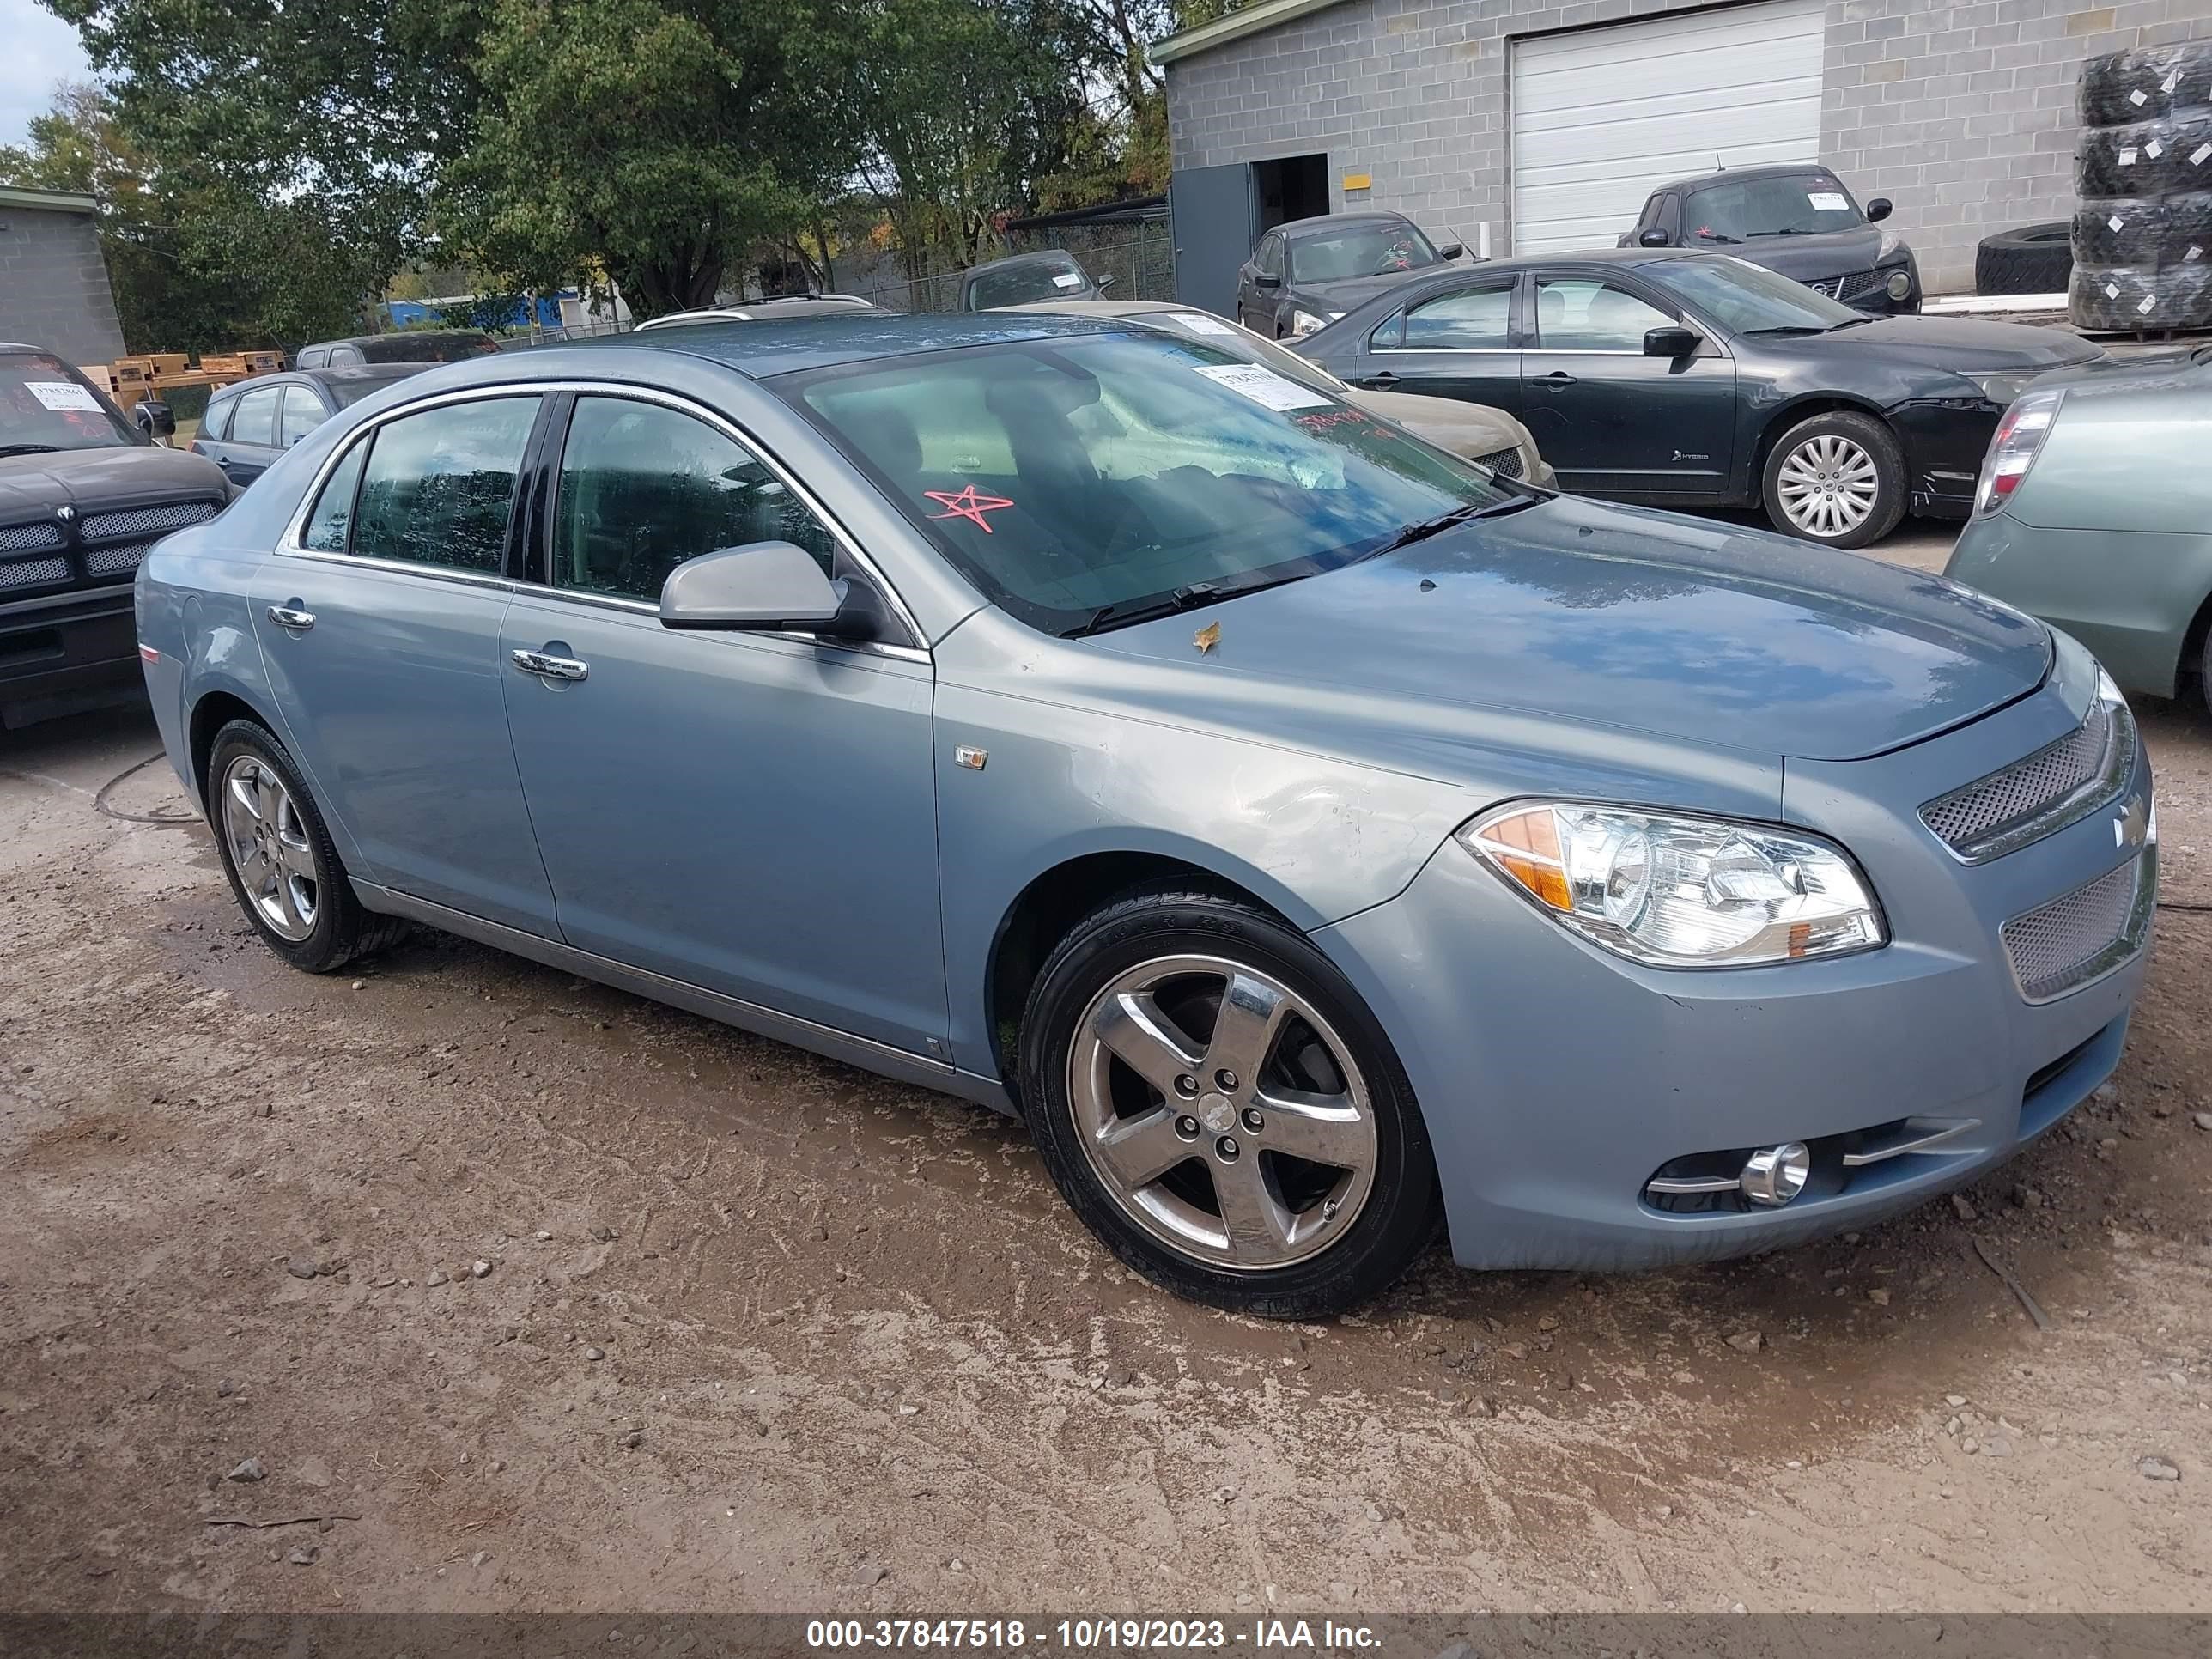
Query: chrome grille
{"points": [[2059, 784], [26, 538], [116, 561], [1505, 463], [2064, 945], [1848, 287], [145, 520], [30, 573]]}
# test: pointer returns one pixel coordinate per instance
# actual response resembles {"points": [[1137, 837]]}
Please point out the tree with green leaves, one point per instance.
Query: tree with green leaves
{"points": [[660, 139]]}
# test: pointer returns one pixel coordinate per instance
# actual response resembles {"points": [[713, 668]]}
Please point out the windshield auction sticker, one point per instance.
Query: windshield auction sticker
{"points": [[1827, 201], [1198, 322], [62, 394], [1263, 386]]}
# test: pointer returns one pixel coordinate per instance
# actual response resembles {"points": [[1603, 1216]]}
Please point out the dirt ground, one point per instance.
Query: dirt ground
{"points": [[528, 1295]]}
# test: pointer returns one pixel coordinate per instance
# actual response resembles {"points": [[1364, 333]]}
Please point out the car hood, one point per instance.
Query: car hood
{"points": [[2149, 371], [1575, 611], [1350, 291], [1954, 342], [1801, 259], [1445, 420], [32, 486]]}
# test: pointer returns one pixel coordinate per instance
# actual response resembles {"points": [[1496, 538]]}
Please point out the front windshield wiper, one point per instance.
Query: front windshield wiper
{"points": [[1852, 322], [1791, 231], [1795, 328], [1122, 613], [30, 449], [1427, 527]]}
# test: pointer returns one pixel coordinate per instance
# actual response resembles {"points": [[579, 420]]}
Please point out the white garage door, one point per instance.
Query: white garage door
{"points": [[1600, 116]]}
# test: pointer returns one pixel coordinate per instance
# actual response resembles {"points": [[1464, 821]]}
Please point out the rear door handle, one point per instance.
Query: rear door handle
{"points": [[1556, 379], [549, 667], [291, 617]]}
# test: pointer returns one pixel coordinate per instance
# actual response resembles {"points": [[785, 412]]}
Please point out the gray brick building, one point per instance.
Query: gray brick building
{"points": [[1467, 114], [53, 282]]}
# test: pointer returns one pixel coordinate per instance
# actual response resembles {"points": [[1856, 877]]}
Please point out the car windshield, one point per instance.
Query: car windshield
{"points": [[1024, 284], [1213, 331], [1749, 299], [44, 408], [427, 347], [1365, 251], [1065, 476], [1800, 204]]}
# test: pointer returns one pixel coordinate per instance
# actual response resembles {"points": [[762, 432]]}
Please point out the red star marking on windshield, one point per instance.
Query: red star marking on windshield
{"points": [[967, 504]]}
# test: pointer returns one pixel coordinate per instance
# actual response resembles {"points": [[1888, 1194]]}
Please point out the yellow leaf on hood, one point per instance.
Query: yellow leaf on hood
{"points": [[1208, 636]]}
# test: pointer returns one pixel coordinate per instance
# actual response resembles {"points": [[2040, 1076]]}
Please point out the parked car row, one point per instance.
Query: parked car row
{"points": [[1098, 717]]}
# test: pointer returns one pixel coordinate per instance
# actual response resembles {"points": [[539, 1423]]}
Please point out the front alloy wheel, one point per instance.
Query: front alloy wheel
{"points": [[1221, 1108], [1836, 478]]}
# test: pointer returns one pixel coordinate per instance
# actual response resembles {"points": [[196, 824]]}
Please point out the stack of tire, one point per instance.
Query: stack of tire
{"points": [[2143, 235]]}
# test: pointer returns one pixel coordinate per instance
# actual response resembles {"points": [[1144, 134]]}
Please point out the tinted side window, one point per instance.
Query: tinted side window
{"points": [[217, 421], [1472, 319], [440, 486], [256, 420], [303, 413], [645, 487], [1580, 314], [327, 524], [311, 357], [1270, 259]]}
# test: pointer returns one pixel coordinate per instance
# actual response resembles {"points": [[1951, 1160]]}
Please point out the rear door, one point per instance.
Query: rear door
{"points": [[1609, 419], [250, 444], [1463, 343], [1212, 214], [303, 411]]}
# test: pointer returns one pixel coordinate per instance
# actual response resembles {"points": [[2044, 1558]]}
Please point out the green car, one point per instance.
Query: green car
{"points": [[2095, 513]]}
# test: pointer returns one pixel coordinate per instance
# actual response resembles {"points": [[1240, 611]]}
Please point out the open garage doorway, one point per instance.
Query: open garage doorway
{"points": [[1290, 187]]}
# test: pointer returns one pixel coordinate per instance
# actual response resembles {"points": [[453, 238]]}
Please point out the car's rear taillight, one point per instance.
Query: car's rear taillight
{"points": [[2018, 439]]}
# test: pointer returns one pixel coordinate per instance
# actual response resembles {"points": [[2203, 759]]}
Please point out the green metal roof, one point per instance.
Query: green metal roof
{"points": [[1233, 26], [53, 201]]}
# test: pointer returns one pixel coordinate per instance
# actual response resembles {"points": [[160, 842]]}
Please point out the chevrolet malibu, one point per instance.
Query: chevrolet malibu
{"points": [[1309, 836]]}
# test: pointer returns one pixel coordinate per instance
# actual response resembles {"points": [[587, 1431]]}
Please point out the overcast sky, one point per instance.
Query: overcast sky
{"points": [[42, 49]]}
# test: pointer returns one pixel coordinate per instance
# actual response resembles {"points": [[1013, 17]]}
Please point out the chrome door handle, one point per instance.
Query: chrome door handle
{"points": [[551, 668], [1554, 381], [285, 616]]}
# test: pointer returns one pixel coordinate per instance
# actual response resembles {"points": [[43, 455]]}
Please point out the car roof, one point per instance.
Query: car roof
{"points": [[1043, 256], [786, 305], [410, 333], [779, 345], [1732, 175], [1338, 221], [1101, 308], [354, 374]]}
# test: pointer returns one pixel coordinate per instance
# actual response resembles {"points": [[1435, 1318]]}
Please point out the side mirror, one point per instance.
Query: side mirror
{"points": [[763, 588], [1654, 237], [1104, 283], [1261, 279], [1452, 250], [1878, 209], [158, 419], [1670, 343]]}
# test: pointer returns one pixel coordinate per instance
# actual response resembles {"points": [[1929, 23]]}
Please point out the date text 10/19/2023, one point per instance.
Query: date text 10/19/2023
{"points": [[1086, 1635]]}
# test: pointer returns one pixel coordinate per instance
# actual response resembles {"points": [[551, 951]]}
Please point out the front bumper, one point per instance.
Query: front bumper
{"points": [[1556, 1080], [1945, 440], [72, 649]]}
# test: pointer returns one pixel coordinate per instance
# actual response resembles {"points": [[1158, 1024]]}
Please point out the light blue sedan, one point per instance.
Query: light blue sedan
{"points": [[1311, 837]]}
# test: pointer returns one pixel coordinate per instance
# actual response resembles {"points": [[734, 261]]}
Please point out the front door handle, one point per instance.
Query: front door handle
{"points": [[291, 617], [1385, 379], [550, 667], [1555, 381]]}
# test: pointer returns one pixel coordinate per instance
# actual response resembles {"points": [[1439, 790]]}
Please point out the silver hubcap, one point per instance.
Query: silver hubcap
{"points": [[1827, 485], [269, 848], [1222, 1113]]}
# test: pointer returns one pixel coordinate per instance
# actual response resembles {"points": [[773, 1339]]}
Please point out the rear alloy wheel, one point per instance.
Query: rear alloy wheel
{"points": [[1836, 479], [1221, 1110]]}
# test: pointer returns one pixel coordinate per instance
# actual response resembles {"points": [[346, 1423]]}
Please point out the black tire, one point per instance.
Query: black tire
{"points": [[2121, 87], [342, 930], [1880, 446], [2144, 160], [2134, 300], [1400, 1212], [2034, 259], [2121, 233]]}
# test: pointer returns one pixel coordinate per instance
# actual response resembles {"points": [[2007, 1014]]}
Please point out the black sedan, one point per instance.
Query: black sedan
{"points": [[247, 426], [1307, 273], [1696, 380]]}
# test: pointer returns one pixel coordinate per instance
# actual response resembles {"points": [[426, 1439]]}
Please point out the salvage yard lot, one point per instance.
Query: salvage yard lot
{"points": [[759, 1331]]}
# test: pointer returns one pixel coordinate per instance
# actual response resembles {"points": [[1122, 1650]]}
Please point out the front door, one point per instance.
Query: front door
{"points": [[1461, 343], [250, 443], [1609, 419], [381, 638], [1210, 214], [753, 813]]}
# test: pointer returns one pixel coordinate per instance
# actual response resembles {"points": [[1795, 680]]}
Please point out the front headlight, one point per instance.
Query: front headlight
{"points": [[1681, 892], [1891, 241], [1304, 322]]}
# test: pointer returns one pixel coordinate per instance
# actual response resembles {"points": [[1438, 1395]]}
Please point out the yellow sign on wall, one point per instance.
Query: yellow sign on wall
{"points": [[1357, 182]]}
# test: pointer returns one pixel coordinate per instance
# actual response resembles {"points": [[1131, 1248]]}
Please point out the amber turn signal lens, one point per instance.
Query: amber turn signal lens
{"points": [[1527, 848]]}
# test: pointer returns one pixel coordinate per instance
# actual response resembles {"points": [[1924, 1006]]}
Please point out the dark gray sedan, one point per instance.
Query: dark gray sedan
{"points": [[1698, 379], [1306, 274]]}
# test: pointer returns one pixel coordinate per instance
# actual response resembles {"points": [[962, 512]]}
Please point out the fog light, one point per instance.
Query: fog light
{"points": [[1899, 285], [1775, 1175]]}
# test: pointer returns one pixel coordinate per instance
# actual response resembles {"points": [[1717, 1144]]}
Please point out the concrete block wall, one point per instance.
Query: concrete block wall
{"points": [[54, 290], [1963, 115]]}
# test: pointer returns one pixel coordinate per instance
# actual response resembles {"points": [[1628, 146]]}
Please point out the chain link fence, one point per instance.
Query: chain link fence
{"points": [[1140, 258]]}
